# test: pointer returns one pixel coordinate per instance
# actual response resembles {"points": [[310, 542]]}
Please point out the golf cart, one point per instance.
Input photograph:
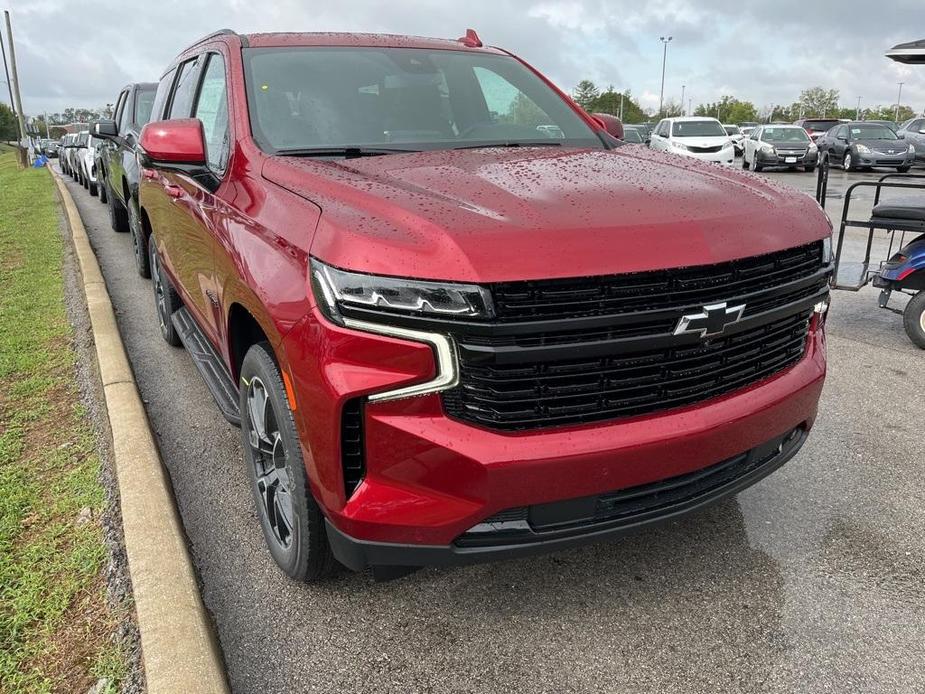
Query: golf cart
{"points": [[901, 238]]}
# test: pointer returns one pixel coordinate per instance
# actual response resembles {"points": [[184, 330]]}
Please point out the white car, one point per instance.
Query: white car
{"points": [[699, 138], [86, 160], [735, 134]]}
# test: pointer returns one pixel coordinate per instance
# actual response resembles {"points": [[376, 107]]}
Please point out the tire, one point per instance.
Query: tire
{"points": [[903, 169], [847, 163], [744, 162], [292, 523], [756, 165], [94, 189], [914, 319], [118, 217], [139, 241], [166, 299], [809, 169]]}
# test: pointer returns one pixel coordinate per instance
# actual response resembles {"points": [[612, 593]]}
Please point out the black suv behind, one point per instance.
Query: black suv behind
{"points": [[119, 170]]}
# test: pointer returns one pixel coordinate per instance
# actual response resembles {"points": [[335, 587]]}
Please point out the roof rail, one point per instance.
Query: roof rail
{"points": [[220, 32]]}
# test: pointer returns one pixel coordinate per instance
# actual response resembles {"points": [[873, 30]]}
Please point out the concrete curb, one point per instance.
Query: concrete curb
{"points": [[179, 649]]}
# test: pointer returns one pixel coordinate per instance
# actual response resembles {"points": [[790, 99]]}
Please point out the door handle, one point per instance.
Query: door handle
{"points": [[149, 174], [174, 191]]}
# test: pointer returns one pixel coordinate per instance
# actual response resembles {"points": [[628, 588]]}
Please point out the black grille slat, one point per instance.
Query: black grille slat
{"points": [[661, 289], [527, 398], [352, 446]]}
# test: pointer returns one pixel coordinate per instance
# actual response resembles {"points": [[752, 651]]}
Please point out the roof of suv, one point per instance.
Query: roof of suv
{"points": [[332, 38]]}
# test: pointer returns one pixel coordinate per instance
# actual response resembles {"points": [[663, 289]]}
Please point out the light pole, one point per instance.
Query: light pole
{"points": [[857, 115], [898, 100], [661, 93], [683, 86]]}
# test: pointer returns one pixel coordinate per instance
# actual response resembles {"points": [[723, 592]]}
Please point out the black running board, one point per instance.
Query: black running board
{"points": [[210, 366]]}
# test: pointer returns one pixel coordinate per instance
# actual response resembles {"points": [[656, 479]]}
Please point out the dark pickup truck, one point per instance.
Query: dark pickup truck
{"points": [[119, 170]]}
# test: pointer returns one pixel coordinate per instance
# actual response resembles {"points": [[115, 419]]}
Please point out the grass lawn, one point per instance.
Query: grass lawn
{"points": [[55, 625]]}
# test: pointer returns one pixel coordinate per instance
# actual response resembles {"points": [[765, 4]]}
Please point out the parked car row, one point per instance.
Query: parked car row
{"points": [[412, 294], [77, 154]]}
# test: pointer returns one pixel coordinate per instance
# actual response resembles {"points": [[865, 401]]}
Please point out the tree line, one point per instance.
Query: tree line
{"points": [[813, 102]]}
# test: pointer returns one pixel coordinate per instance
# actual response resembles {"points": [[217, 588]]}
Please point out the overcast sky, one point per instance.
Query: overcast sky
{"points": [[81, 53]]}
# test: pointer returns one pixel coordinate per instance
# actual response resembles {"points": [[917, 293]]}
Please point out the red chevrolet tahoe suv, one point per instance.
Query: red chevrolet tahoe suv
{"points": [[454, 319]]}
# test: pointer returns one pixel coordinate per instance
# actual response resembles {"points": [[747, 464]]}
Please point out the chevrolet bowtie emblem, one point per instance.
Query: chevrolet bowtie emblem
{"points": [[711, 321]]}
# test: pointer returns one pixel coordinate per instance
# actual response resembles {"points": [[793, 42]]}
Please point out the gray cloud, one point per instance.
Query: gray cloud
{"points": [[81, 54]]}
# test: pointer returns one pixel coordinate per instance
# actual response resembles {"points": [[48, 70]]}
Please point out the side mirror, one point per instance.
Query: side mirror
{"points": [[105, 129], [610, 124], [921, 131], [174, 142], [901, 136], [842, 138]]}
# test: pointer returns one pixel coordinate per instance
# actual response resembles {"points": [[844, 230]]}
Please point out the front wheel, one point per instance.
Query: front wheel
{"points": [[745, 161], [292, 523], [914, 319], [93, 188], [809, 169], [755, 165], [848, 163], [166, 300], [102, 186]]}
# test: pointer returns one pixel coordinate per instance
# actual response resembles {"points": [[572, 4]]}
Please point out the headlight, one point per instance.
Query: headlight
{"points": [[911, 150], [766, 148], [827, 248], [678, 145], [336, 288], [728, 144], [863, 149], [812, 147]]}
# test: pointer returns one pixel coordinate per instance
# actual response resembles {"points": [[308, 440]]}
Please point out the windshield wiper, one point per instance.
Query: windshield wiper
{"points": [[539, 143], [346, 152]]}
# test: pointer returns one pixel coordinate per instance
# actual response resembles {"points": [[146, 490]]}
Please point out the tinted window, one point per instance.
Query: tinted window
{"points": [[819, 125], [160, 96], [732, 130], [181, 103], [212, 110], [632, 135], [409, 98], [144, 101]]}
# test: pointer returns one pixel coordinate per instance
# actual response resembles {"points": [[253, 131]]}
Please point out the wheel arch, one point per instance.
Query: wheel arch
{"points": [[243, 332]]}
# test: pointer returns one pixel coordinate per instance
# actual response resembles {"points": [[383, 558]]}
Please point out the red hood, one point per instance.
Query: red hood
{"points": [[501, 214]]}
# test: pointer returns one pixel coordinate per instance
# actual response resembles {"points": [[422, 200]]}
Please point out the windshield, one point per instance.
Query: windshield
{"points": [[872, 132], [784, 135], [732, 129], [697, 128], [631, 135], [144, 100], [405, 98], [820, 124]]}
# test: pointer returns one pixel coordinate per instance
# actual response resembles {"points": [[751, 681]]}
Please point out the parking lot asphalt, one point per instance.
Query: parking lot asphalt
{"points": [[813, 580]]}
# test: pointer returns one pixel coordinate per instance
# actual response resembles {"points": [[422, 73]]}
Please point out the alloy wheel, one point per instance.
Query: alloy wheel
{"points": [[135, 229], [846, 164], [271, 463]]}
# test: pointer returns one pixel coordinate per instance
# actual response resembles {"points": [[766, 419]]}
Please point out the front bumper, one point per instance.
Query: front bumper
{"points": [[808, 159], [883, 159], [724, 156], [572, 522], [430, 479]]}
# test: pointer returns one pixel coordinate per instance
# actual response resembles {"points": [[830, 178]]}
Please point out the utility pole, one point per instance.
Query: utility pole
{"points": [[15, 85], [898, 100], [682, 99], [47, 129], [690, 106], [621, 106], [857, 115], [661, 93], [7, 71]]}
